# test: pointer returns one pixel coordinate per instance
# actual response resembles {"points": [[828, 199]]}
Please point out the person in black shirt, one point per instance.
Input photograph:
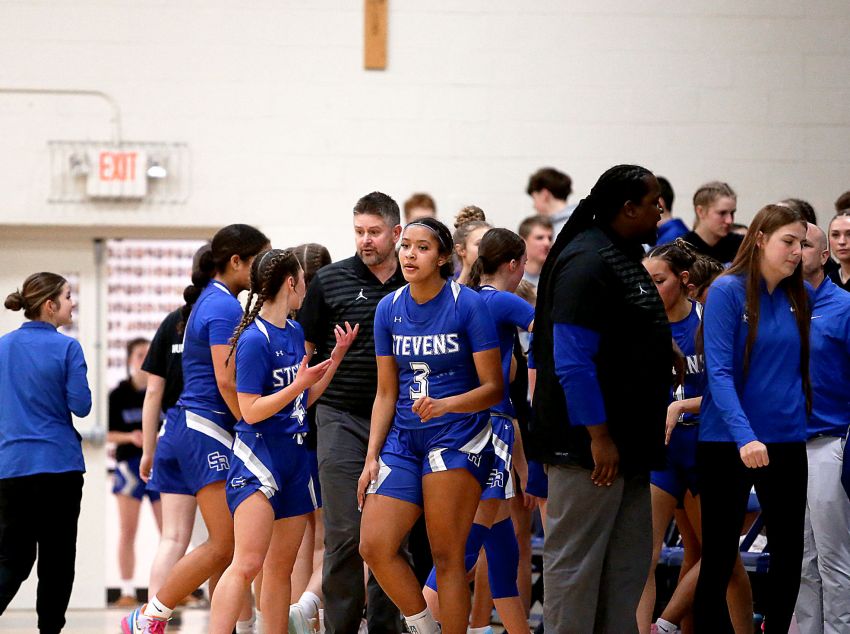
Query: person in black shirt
{"points": [[125, 430], [602, 347], [715, 204], [349, 290]]}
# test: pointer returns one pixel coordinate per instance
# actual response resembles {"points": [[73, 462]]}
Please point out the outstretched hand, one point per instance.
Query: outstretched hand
{"points": [[344, 339]]}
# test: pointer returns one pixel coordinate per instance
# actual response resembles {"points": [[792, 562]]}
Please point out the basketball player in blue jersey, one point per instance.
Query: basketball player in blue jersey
{"points": [[497, 271], [270, 488], [439, 372], [194, 454], [669, 266]]}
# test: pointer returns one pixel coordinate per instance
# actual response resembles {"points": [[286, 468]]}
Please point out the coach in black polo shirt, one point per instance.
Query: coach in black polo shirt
{"points": [[350, 290]]}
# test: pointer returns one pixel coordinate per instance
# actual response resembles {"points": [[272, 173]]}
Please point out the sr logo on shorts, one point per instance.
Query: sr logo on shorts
{"points": [[496, 479], [218, 461]]}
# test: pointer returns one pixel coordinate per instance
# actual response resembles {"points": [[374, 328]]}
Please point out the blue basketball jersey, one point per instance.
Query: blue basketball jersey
{"points": [[214, 317], [267, 360], [433, 345], [684, 334], [509, 312]]}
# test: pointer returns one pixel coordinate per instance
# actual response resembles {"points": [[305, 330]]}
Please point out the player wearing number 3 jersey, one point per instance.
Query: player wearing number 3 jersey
{"points": [[439, 372]]}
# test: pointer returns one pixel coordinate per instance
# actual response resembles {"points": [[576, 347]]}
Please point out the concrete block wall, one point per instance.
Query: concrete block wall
{"points": [[287, 130]]}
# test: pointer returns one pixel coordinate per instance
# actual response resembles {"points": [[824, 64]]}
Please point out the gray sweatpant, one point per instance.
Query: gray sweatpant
{"points": [[342, 442], [823, 605], [597, 552]]}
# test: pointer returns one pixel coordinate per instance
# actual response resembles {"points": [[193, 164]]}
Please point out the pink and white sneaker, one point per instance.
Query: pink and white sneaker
{"points": [[138, 623]]}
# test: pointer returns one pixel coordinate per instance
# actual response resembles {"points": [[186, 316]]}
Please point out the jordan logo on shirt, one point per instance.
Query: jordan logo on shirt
{"points": [[642, 290], [360, 295]]}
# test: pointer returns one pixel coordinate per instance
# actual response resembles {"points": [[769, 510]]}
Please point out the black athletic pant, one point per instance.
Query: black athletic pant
{"points": [[39, 513], [724, 487]]}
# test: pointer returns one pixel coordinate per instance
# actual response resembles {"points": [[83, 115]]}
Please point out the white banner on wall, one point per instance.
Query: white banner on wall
{"points": [[145, 282]]}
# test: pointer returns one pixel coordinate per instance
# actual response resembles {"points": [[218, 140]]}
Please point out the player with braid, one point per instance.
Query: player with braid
{"points": [[270, 489]]}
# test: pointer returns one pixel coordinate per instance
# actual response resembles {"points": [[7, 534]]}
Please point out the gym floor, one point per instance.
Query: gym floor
{"points": [[99, 622], [104, 622]]}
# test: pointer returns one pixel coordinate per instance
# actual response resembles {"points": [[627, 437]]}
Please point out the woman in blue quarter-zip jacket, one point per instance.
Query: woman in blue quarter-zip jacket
{"points": [[753, 415], [42, 382]]}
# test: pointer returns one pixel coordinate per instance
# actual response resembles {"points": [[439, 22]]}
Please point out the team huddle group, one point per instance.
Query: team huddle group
{"points": [[604, 364]]}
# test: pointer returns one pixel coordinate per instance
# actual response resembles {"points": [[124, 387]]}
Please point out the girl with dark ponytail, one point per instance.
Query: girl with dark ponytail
{"points": [[243, 241], [498, 270], [271, 489], [193, 454]]}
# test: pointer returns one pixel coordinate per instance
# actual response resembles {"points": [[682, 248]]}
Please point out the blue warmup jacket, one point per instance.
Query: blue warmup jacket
{"points": [[830, 361], [42, 382], [768, 404]]}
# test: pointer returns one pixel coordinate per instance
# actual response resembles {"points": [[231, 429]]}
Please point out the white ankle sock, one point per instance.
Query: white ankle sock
{"points": [[246, 627], [422, 623], [666, 627], [128, 588], [309, 604], [157, 609], [478, 630]]}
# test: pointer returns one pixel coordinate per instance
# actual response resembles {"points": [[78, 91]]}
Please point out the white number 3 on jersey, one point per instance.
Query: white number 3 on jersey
{"points": [[419, 389]]}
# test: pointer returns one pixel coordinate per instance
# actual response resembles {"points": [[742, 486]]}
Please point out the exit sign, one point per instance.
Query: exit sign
{"points": [[117, 173]]}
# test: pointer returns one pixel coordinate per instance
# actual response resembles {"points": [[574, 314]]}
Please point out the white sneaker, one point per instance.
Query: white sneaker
{"points": [[298, 623]]}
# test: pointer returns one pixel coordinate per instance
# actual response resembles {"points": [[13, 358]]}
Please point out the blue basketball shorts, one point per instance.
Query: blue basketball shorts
{"points": [[126, 480], [409, 455], [680, 473], [276, 465], [500, 482], [193, 451]]}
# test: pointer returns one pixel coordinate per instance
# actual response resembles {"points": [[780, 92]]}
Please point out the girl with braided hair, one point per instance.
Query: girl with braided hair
{"points": [[193, 454], [270, 489]]}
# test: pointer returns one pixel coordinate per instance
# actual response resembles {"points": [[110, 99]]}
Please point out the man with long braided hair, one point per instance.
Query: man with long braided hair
{"points": [[602, 346]]}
